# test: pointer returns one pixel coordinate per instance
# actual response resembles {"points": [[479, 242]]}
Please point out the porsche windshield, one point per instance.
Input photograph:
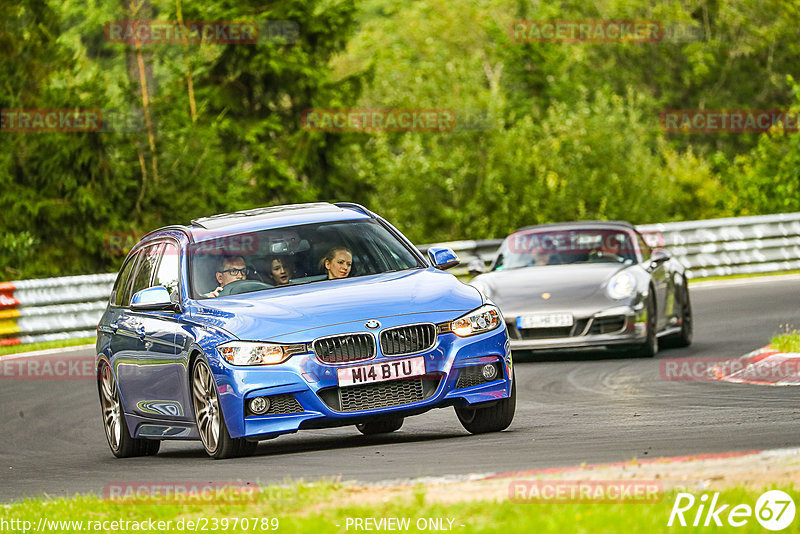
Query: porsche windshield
{"points": [[556, 247], [224, 264]]}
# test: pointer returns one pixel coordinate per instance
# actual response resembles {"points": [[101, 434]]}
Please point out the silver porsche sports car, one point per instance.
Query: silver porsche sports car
{"points": [[588, 284]]}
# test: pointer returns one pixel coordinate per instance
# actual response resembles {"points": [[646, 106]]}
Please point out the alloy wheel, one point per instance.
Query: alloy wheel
{"points": [[206, 405]]}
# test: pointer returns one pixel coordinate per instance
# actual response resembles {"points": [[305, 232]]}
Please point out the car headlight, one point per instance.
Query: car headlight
{"points": [[482, 320], [621, 286], [253, 353]]}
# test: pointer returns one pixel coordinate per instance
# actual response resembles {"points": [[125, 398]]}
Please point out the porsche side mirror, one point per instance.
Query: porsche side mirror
{"points": [[658, 257], [475, 267]]}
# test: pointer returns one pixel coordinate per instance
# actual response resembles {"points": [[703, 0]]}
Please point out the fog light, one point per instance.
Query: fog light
{"points": [[489, 372], [259, 405]]}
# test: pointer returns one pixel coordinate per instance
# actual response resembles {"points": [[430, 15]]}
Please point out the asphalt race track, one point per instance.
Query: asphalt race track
{"points": [[570, 409]]}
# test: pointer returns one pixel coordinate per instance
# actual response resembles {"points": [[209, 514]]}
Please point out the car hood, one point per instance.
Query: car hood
{"points": [[304, 312], [568, 286]]}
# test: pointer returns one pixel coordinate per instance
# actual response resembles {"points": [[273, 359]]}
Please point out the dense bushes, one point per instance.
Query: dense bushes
{"points": [[553, 131]]}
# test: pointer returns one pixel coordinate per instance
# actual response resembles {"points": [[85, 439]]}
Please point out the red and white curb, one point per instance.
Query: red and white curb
{"points": [[765, 366]]}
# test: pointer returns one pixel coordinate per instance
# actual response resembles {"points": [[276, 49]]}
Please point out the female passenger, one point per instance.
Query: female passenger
{"points": [[337, 262]]}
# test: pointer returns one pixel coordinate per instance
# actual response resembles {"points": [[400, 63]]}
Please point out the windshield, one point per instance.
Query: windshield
{"points": [[229, 264], [529, 248]]}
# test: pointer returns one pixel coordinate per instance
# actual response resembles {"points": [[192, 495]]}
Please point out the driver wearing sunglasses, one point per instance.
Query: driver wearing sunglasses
{"points": [[230, 269]]}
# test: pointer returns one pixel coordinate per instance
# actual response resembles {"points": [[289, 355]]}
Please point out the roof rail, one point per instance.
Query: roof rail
{"points": [[172, 227], [353, 205], [223, 219]]}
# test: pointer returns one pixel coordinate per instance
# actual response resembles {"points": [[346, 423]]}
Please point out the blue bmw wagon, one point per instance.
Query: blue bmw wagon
{"points": [[244, 326]]}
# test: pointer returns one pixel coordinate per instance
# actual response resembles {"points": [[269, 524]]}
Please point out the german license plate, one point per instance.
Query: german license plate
{"points": [[380, 372], [545, 320]]}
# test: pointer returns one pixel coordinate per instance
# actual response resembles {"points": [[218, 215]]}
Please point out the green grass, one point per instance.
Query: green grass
{"points": [[744, 275], [14, 349], [326, 507], [789, 342]]}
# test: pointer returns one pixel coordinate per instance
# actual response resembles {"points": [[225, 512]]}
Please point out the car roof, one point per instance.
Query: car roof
{"points": [[269, 217], [601, 225]]}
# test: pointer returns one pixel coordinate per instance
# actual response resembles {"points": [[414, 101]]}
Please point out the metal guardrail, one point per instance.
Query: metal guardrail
{"points": [[69, 307], [713, 247], [741, 245], [51, 309]]}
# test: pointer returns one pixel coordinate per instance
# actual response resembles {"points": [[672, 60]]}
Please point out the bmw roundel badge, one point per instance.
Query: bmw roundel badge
{"points": [[372, 324]]}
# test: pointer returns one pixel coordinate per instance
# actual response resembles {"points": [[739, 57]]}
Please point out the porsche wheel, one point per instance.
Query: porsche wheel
{"points": [[684, 337], [649, 348], [119, 438]]}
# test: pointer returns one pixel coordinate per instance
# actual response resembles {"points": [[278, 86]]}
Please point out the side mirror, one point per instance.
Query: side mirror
{"points": [[475, 267], [658, 257], [442, 257], [154, 298]]}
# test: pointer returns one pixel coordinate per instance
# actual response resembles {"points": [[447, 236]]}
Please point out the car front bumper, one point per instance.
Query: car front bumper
{"points": [[307, 389], [621, 325]]}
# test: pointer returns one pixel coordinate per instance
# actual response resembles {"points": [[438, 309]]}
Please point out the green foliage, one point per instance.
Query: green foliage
{"points": [[554, 146], [546, 131], [788, 342], [233, 142], [767, 179]]}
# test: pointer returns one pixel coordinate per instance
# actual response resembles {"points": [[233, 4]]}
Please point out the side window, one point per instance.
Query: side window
{"points": [[169, 268], [118, 295], [144, 271]]}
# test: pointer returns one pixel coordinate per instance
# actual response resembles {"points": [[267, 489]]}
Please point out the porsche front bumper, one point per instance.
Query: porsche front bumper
{"points": [[622, 325]]}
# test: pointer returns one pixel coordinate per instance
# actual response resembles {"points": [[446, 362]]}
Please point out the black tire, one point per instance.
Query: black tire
{"points": [[684, 337], [649, 348], [119, 438], [492, 418], [247, 447], [210, 420], [383, 426]]}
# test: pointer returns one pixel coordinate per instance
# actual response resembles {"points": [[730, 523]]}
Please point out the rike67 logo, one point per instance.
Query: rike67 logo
{"points": [[774, 510]]}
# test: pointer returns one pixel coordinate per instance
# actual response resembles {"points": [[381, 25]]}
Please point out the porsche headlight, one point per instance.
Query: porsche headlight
{"points": [[482, 320], [621, 286], [254, 353]]}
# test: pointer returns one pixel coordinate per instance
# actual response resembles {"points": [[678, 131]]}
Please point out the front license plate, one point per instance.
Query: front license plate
{"points": [[380, 372], [545, 320]]}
